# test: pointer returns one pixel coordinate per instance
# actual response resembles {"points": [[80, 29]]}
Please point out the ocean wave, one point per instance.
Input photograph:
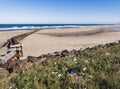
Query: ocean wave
{"points": [[59, 27], [37, 27], [44, 26], [20, 28]]}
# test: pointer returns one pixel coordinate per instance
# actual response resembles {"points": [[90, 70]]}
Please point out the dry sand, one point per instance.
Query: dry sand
{"points": [[48, 41]]}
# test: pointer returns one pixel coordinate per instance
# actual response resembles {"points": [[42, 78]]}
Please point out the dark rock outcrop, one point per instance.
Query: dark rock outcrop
{"points": [[64, 53], [32, 59]]}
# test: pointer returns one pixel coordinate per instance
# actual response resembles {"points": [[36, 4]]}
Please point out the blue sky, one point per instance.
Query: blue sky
{"points": [[59, 11]]}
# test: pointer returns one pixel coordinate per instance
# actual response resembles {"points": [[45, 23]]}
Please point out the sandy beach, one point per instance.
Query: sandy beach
{"points": [[48, 41]]}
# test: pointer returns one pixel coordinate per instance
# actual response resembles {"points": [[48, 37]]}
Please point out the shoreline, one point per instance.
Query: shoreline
{"points": [[42, 42]]}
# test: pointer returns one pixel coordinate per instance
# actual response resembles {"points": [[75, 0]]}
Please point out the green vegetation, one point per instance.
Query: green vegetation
{"points": [[93, 69]]}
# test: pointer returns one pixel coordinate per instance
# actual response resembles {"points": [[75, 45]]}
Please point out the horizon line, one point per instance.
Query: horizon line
{"points": [[59, 23]]}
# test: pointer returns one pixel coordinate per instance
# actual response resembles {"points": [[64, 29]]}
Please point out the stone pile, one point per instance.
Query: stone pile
{"points": [[21, 65]]}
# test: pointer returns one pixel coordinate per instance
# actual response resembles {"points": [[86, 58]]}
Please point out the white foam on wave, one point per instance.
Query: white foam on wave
{"points": [[59, 27], [14, 28], [20, 28]]}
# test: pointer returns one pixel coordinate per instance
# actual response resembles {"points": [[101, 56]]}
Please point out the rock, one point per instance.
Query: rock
{"points": [[14, 66], [75, 52], [46, 56], [100, 46], [112, 44], [94, 48], [119, 41], [64, 53], [79, 51], [57, 54], [87, 48], [107, 45], [41, 60], [3, 73], [49, 55], [43, 56], [32, 59]]}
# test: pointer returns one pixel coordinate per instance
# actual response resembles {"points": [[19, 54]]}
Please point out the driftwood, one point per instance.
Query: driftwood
{"points": [[14, 53]]}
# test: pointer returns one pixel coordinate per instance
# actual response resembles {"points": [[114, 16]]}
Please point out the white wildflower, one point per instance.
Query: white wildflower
{"points": [[84, 69], [54, 72], [107, 54], [59, 75], [74, 59], [86, 61], [55, 63], [71, 75], [10, 87]]}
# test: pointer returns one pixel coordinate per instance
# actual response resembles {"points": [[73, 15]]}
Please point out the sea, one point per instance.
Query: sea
{"points": [[16, 27]]}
